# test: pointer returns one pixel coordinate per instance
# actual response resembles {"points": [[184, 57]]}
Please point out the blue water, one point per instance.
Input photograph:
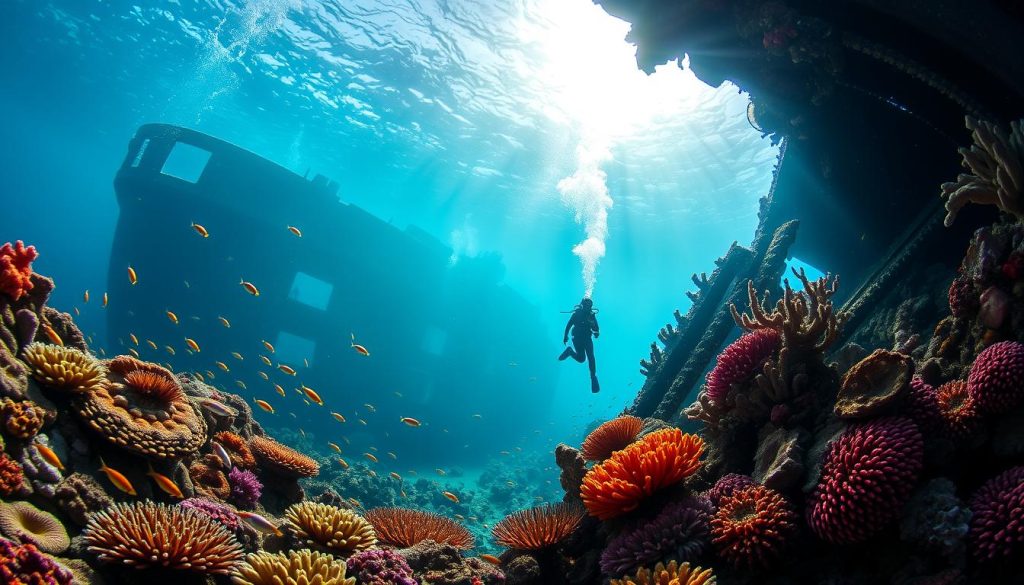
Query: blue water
{"points": [[493, 126]]}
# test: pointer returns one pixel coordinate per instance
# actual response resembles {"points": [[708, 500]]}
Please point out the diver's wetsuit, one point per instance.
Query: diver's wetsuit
{"points": [[583, 323]]}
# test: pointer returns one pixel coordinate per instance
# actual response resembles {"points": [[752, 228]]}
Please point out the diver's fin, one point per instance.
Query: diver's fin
{"points": [[595, 387]]}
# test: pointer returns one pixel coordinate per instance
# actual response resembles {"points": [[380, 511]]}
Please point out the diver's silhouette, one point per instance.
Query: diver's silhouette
{"points": [[583, 323]]}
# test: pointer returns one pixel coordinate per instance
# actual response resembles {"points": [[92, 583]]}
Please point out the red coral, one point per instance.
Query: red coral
{"points": [[753, 526], [958, 410], [740, 360], [866, 478], [996, 381], [16, 268], [11, 475], [997, 521], [963, 300]]}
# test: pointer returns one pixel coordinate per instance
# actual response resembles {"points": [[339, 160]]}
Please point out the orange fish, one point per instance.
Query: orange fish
{"points": [[132, 278], [152, 344], [370, 456], [85, 297], [266, 360], [268, 345], [359, 348], [451, 496], [395, 476], [335, 447], [410, 421], [172, 317], [295, 230], [223, 366], [118, 479], [338, 417], [191, 343], [342, 463], [491, 559], [250, 288], [105, 299], [312, 395], [165, 483], [52, 335], [50, 457], [224, 322], [264, 405], [200, 230], [279, 389], [286, 369]]}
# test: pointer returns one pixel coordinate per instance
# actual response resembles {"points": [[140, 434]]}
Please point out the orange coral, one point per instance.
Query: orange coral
{"points": [[237, 448], [23, 419], [404, 527], [283, 459], [11, 475], [672, 574], [539, 527], [753, 527], [16, 268], [658, 460], [208, 480], [958, 409], [611, 436], [152, 385]]}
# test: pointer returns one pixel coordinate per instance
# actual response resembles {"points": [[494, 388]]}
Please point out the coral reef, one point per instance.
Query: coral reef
{"points": [[753, 527], [957, 410], [380, 567], [79, 495], [574, 469], [740, 361], [935, 519], [301, 567], [16, 269], [611, 436], [875, 385], [996, 382], [443, 564], [283, 459], [25, 565], [670, 574], [996, 165], [22, 522], [997, 521], [335, 529], [406, 528], [539, 527], [237, 448], [679, 532], [23, 419], [222, 513]]}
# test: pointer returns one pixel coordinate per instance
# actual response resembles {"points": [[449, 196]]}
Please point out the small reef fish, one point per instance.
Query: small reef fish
{"points": [[169, 349], [224, 321], [133, 278], [52, 335], [151, 343], [490, 559], [460, 517], [165, 483], [240, 384], [338, 417], [355, 502], [334, 446], [249, 287], [402, 492], [210, 375], [370, 456], [191, 343], [237, 356], [374, 449], [361, 421], [268, 345], [370, 407], [504, 453], [451, 496], [264, 405], [312, 395], [172, 317], [359, 348], [478, 416], [49, 456], [222, 366], [221, 454], [200, 230], [398, 394], [266, 361], [302, 432], [373, 473], [392, 455], [440, 471], [395, 476], [286, 369], [347, 442], [410, 421], [216, 407], [105, 299], [305, 362], [134, 339], [77, 312], [118, 479], [342, 463], [279, 389], [264, 376], [258, 523], [132, 351], [295, 230], [85, 297]]}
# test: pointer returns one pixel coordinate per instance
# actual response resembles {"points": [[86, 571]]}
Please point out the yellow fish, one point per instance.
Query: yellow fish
{"points": [[342, 463], [210, 375], [249, 288], [266, 360], [224, 322], [151, 343], [295, 230], [267, 345], [279, 389], [165, 483], [169, 349], [264, 405], [172, 317], [133, 278], [118, 479], [338, 417], [335, 447], [222, 366], [134, 339], [264, 376], [370, 456], [47, 454], [395, 476], [191, 343], [237, 356]]}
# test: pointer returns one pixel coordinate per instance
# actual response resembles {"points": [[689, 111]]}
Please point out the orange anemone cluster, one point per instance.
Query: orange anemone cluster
{"points": [[405, 527], [539, 527], [658, 460], [610, 437], [958, 409], [283, 459], [237, 448], [753, 526]]}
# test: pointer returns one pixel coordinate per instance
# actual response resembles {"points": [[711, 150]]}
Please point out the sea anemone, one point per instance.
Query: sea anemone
{"points": [[680, 532], [25, 565], [866, 478], [997, 522], [611, 436], [996, 381], [658, 460], [380, 567], [671, 574], [11, 475], [753, 526], [726, 485], [298, 567], [16, 268], [154, 535], [283, 459], [23, 419], [335, 529], [153, 385], [23, 522], [958, 410], [238, 450], [245, 487], [63, 367], [740, 361], [539, 527], [405, 528]]}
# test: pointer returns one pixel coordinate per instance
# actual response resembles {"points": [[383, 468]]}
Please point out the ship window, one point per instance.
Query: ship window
{"points": [[434, 340], [311, 291], [292, 349], [140, 153], [186, 162]]}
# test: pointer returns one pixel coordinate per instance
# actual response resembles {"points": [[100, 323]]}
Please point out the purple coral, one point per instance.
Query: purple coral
{"points": [[997, 524], [245, 487], [25, 564], [726, 485], [680, 532], [380, 567], [740, 361], [219, 512]]}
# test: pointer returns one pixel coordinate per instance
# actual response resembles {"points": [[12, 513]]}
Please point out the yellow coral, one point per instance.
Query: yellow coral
{"points": [[673, 574], [333, 528], [300, 567], [63, 368]]}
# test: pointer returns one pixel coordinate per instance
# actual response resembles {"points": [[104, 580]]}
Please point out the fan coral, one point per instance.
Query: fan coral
{"points": [[996, 162], [874, 384], [957, 408], [680, 532], [740, 361], [25, 565], [238, 450], [245, 487], [333, 528], [219, 512], [23, 522], [753, 527], [23, 419], [404, 527], [380, 567], [962, 298], [658, 460], [997, 524], [611, 436], [11, 475], [671, 574], [63, 368], [16, 268], [539, 527], [153, 419], [726, 485], [866, 478], [996, 381], [150, 535], [283, 459], [302, 567]]}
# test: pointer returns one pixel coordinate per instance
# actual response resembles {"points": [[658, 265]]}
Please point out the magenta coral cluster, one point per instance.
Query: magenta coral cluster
{"points": [[679, 532], [866, 478], [739, 361], [219, 512], [997, 521], [922, 406], [996, 382], [962, 298], [726, 485], [24, 564], [245, 487], [380, 567]]}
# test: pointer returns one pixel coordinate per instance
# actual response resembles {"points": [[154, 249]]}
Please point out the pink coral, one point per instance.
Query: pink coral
{"points": [[962, 298], [997, 521], [922, 406], [866, 478], [996, 381], [740, 361], [16, 268]]}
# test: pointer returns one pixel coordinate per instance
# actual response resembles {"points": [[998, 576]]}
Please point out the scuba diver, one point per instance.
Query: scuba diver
{"points": [[583, 322]]}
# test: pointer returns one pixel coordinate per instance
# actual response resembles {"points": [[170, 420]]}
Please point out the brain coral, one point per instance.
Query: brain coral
{"points": [[63, 367], [301, 567], [753, 527], [333, 528], [142, 409], [404, 527], [611, 436], [866, 478], [997, 521], [740, 361], [16, 268], [152, 535], [679, 532], [996, 381], [25, 565], [658, 460], [283, 459], [539, 527], [671, 574], [23, 522]]}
